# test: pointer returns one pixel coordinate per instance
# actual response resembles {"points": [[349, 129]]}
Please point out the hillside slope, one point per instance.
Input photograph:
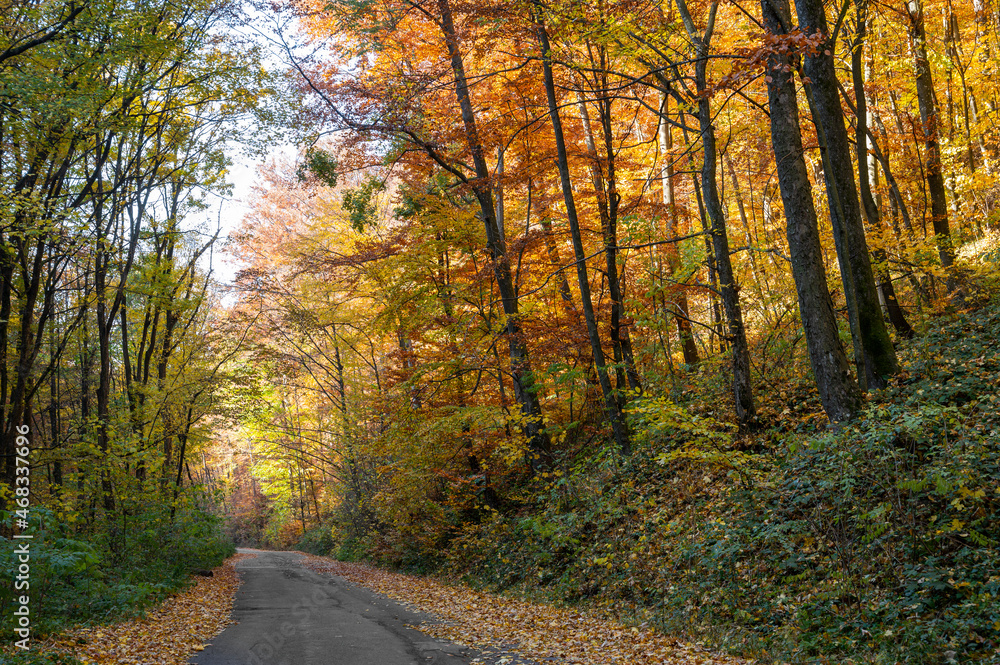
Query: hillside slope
{"points": [[874, 543]]}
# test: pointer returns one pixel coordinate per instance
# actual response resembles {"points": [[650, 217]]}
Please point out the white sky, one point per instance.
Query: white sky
{"points": [[229, 212], [262, 28]]}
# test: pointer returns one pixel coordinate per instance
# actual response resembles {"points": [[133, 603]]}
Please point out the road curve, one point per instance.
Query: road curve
{"points": [[289, 615]]}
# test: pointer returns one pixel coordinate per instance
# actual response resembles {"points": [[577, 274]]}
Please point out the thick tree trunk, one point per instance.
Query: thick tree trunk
{"points": [[838, 392], [7, 442], [525, 390], [879, 354], [864, 370], [612, 406]]}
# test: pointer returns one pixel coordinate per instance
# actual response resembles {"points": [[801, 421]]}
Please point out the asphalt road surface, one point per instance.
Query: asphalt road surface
{"points": [[289, 615]]}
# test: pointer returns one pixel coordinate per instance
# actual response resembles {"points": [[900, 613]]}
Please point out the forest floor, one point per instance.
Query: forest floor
{"points": [[540, 633], [876, 541]]}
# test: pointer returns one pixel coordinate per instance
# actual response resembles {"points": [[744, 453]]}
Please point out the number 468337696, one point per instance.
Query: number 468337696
{"points": [[23, 470]]}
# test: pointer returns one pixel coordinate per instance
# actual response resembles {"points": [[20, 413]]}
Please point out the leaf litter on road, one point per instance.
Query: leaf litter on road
{"points": [[538, 632]]}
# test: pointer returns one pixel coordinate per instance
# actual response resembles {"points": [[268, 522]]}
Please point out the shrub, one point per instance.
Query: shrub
{"points": [[83, 579], [317, 540]]}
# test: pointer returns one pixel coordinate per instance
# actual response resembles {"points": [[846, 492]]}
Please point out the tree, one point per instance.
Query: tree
{"points": [[929, 119], [874, 352], [611, 403], [525, 388], [100, 106], [681, 311], [746, 410], [865, 166], [837, 390]]}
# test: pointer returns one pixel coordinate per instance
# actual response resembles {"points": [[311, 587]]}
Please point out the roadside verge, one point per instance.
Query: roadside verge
{"points": [[167, 635]]}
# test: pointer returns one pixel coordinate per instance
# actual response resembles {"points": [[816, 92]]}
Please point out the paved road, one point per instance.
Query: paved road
{"points": [[289, 615]]}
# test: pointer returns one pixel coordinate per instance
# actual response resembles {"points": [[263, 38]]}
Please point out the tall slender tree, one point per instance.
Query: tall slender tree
{"points": [[612, 405], [930, 121], [865, 165], [525, 387], [746, 410]]}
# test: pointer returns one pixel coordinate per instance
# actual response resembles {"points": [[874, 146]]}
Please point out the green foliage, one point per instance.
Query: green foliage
{"points": [[318, 164], [32, 657], [80, 579], [359, 203], [871, 540], [351, 549], [681, 435], [317, 540], [141, 98]]}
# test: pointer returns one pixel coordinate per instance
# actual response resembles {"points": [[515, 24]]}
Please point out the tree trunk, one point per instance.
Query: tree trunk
{"points": [[680, 305], [607, 205], [871, 210], [525, 390], [552, 250], [838, 392], [611, 405], [932, 150], [103, 394], [746, 411], [713, 280], [879, 355]]}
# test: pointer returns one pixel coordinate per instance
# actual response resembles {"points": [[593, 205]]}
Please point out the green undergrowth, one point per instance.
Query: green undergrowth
{"points": [[106, 575], [875, 543], [317, 540]]}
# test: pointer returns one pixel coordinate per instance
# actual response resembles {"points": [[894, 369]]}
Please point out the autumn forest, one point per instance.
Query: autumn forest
{"points": [[682, 311]]}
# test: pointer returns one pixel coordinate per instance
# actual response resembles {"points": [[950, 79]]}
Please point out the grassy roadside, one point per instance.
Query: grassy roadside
{"points": [[165, 635]]}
